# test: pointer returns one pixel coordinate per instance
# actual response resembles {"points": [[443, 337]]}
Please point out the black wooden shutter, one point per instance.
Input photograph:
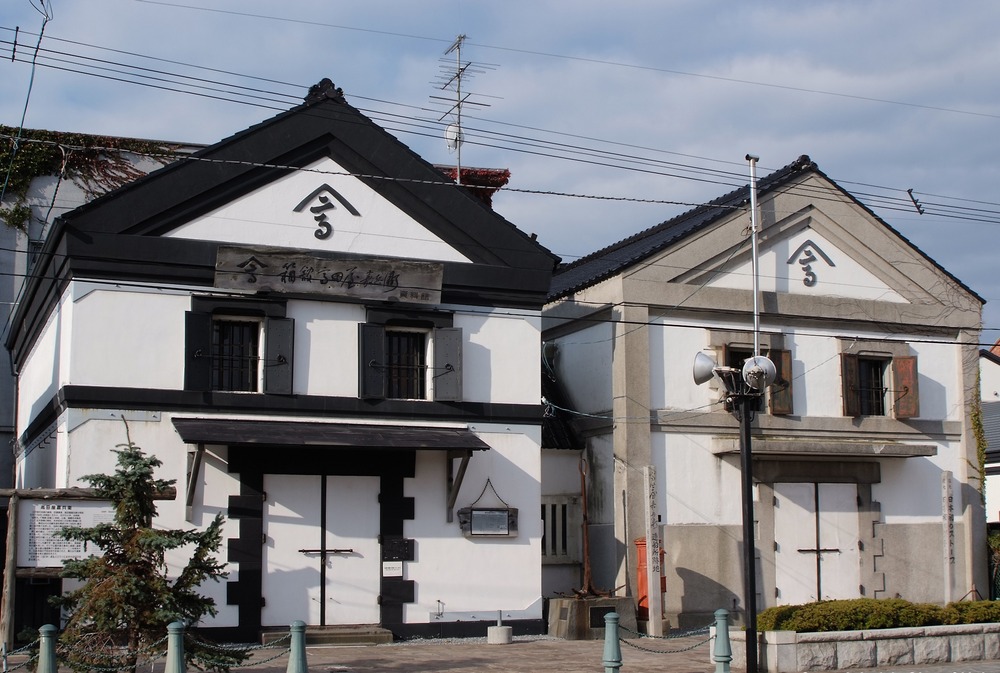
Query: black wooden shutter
{"points": [[849, 376], [448, 364], [904, 387], [278, 345], [371, 361], [197, 351], [781, 389]]}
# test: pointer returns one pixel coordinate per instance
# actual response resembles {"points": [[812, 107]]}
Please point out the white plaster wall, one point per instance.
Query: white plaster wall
{"points": [[36, 467], [326, 347], [989, 380], [671, 360], [266, 217], [695, 486], [560, 472], [491, 343], [910, 491], [993, 499], [127, 337], [478, 577], [940, 382], [583, 366], [91, 446], [780, 273], [41, 374]]}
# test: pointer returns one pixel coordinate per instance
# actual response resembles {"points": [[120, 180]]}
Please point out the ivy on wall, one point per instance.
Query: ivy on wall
{"points": [[97, 163], [979, 432]]}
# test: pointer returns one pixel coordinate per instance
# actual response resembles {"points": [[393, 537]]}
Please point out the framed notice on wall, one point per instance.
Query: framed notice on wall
{"points": [[488, 521], [39, 522]]}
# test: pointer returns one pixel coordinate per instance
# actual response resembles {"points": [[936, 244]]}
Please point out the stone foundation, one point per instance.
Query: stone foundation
{"points": [[583, 618], [790, 652]]}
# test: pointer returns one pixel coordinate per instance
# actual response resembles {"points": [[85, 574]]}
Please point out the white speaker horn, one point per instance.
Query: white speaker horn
{"points": [[759, 372], [704, 368]]}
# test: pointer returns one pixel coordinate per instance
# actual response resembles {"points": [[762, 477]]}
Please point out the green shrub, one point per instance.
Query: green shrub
{"points": [[869, 613]]}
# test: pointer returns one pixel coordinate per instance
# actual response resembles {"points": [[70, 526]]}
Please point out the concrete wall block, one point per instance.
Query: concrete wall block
{"points": [[856, 654], [895, 652], [817, 656], [991, 645], [779, 652], [931, 650], [966, 648]]}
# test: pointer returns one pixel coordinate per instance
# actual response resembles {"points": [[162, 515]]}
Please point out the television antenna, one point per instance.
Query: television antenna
{"points": [[455, 74]]}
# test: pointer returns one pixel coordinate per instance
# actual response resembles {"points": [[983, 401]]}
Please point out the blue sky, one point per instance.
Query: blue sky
{"points": [[654, 100]]}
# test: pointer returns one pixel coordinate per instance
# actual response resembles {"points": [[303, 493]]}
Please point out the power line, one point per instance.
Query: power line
{"points": [[583, 59], [492, 139]]}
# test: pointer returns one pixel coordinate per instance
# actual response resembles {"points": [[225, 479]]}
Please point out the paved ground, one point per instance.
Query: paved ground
{"points": [[547, 655], [527, 654]]}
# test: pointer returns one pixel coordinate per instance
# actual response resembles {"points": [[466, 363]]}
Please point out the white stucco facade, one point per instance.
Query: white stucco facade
{"points": [[348, 498], [868, 481]]}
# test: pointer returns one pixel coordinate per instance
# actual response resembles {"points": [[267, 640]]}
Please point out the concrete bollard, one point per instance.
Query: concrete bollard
{"points": [[612, 648], [499, 634], [722, 653], [175, 648], [47, 649], [297, 649]]}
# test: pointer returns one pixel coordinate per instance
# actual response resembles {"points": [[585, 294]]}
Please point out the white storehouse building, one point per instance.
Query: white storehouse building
{"points": [[323, 339], [866, 477]]}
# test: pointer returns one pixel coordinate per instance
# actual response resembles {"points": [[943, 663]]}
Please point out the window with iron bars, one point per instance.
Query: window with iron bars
{"points": [[561, 535], [406, 365], [236, 355]]}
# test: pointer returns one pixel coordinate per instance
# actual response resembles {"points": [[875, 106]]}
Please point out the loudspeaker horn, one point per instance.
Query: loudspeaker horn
{"points": [[704, 368], [759, 372]]}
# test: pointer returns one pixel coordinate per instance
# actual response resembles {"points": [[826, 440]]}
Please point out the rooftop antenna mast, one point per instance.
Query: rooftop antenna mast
{"points": [[454, 74]]}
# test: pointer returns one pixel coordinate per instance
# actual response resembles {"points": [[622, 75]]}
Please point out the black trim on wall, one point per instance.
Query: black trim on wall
{"points": [[247, 549], [252, 463], [171, 261], [155, 399]]}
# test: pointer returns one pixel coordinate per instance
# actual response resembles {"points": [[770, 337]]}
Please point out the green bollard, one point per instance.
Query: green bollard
{"points": [[175, 648], [297, 649], [47, 649], [612, 648], [722, 653]]}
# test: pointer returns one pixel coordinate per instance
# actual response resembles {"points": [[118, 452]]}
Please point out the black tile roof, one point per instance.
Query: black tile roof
{"points": [[607, 262]]}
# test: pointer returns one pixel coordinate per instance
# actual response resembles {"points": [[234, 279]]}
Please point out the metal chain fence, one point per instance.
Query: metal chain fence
{"points": [[208, 655], [670, 636]]}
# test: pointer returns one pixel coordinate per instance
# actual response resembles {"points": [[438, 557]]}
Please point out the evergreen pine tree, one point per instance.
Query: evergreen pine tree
{"points": [[126, 599]]}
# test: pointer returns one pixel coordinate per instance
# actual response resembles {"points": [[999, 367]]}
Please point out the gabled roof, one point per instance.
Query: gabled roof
{"points": [[121, 235], [619, 256], [324, 125]]}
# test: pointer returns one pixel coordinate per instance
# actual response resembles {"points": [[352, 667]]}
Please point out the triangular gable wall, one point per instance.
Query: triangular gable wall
{"points": [[322, 207], [702, 261]]}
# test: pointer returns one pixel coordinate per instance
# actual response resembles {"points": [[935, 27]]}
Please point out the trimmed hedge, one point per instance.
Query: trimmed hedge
{"points": [[870, 613]]}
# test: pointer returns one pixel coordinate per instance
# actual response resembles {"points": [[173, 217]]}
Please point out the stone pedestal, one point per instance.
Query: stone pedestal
{"points": [[499, 635], [583, 618]]}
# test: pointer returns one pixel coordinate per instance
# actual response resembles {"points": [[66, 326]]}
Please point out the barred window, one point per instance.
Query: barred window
{"points": [[236, 355]]}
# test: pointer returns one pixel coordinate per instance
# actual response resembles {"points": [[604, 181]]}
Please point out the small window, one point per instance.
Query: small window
{"points": [[735, 357], [871, 386], [238, 346], [409, 362], [406, 365], [779, 393], [880, 385], [236, 355], [561, 521]]}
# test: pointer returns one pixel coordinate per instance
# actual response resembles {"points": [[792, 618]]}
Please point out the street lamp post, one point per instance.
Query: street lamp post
{"points": [[744, 389], [745, 410]]}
